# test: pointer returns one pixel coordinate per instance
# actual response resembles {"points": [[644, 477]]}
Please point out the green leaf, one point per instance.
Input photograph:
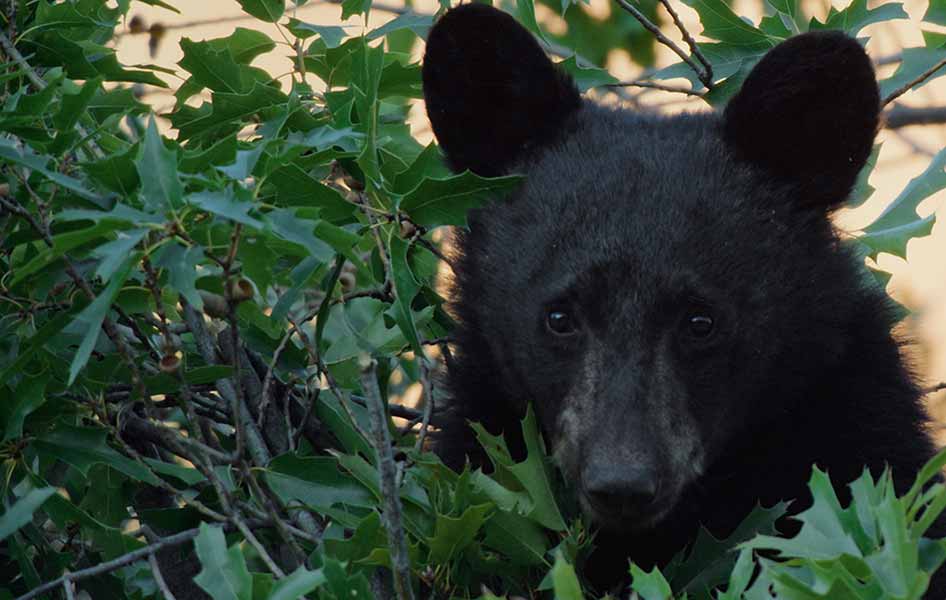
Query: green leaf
{"points": [[342, 585], [22, 510], [564, 580], [857, 16], [419, 24], [210, 67], [355, 7], [862, 188], [707, 563], [28, 396], [27, 158], [223, 573], [228, 205], [721, 23], [181, 264], [295, 187], [72, 106], [586, 76], [531, 475], [29, 347], [297, 584], [286, 225], [114, 253], [157, 169], [315, 482], [899, 222], [446, 201], [367, 65], [787, 18], [83, 447], [116, 172], [368, 330], [740, 578], [823, 535], [264, 10], [522, 540], [428, 164], [91, 318], [453, 534], [405, 289], [913, 63], [526, 12], [936, 12], [650, 586], [332, 35], [244, 44]]}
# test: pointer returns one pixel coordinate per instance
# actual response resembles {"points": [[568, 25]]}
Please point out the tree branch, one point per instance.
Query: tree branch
{"points": [[918, 80], [653, 85], [391, 512], [905, 116], [114, 564], [703, 71]]}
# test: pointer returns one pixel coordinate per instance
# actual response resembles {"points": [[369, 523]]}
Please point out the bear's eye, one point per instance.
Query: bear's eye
{"points": [[700, 325], [560, 322]]}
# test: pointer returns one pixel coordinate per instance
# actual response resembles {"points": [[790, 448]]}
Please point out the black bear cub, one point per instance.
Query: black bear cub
{"points": [[669, 292]]}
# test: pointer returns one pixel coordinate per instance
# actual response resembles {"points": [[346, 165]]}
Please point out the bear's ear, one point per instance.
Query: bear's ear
{"points": [[807, 114], [491, 91]]}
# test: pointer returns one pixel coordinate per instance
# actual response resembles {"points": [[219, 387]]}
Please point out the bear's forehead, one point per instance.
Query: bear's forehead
{"points": [[620, 184]]}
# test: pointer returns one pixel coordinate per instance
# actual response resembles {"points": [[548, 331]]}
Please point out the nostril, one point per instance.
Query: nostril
{"points": [[631, 489]]}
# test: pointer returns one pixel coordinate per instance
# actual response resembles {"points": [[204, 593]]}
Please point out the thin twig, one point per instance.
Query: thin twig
{"points": [[653, 85], [254, 440], [391, 513], [704, 75], [916, 81], [159, 578], [428, 402], [903, 116], [40, 84], [707, 77], [114, 564], [268, 379], [935, 388], [107, 324]]}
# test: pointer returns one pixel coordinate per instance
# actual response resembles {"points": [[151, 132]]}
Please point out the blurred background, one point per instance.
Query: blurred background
{"points": [[603, 34]]}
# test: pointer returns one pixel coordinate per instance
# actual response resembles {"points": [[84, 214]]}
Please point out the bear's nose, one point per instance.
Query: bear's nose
{"points": [[626, 489]]}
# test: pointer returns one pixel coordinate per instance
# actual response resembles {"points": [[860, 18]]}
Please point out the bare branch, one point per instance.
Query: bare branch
{"points": [[935, 388], [243, 420], [391, 512], [918, 80], [705, 75], [114, 564], [428, 401], [40, 84], [653, 85], [159, 577], [904, 116]]}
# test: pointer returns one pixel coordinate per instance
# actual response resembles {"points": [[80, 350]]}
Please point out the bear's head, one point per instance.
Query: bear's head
{"points": [[659, 286]]}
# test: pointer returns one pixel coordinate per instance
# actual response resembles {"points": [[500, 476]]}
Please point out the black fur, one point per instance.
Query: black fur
{"points": [[808, 112], [490, 90], [633, 222]]}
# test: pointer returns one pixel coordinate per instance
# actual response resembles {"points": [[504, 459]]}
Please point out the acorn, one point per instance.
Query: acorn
{"points": [[241, 289], [347, 281], [408, 229], [170, 363]]}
